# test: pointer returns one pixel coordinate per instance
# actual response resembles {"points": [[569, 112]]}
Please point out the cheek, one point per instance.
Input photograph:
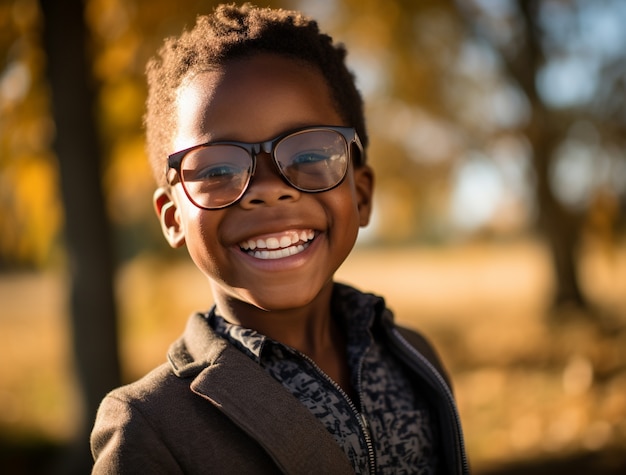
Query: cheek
{"points": [[347, 201], [191, 217], [191, 220], [345, 213], [196, 224], [204, 251]]}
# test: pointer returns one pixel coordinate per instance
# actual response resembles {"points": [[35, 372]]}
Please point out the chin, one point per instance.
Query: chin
{"points": [[277, 299], [279, 304]]}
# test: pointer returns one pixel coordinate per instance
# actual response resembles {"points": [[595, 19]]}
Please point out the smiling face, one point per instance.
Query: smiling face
{"points": [[277, 248]]}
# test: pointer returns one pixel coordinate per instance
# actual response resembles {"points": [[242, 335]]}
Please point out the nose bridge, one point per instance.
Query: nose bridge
{"points": [[267, 185], [265, 168], [264, 159]]}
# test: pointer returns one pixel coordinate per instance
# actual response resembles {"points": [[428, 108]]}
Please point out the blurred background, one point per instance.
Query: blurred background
{"points": [[498, 137]]}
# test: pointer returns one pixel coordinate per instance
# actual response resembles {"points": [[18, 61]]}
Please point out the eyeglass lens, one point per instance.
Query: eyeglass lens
{"points": [[217, 175]]}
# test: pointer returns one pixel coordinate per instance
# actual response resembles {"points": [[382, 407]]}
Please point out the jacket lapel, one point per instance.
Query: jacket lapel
{"points": [[258, 404]]}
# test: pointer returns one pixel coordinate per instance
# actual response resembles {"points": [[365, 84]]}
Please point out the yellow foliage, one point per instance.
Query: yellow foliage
{"points": [[121, 106], [31, 215], [128, 182], [114, 60]]}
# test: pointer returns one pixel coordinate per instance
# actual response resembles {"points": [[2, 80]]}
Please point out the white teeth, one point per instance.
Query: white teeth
{"points": [[280, 253], [278, 247]]}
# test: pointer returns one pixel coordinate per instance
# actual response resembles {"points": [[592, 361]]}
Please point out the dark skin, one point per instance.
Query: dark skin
{"points": [[286, 298]]}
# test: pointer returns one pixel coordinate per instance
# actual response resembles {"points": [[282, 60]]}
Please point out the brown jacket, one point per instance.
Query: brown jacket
{"points": [[211, 409]]}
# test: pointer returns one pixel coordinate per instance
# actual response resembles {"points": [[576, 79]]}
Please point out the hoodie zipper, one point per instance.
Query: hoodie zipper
{"points": [[449, 398], [360, 417]]}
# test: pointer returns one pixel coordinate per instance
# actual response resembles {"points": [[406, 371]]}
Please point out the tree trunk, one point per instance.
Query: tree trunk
{"points": [[560, 227], [87, 231]]}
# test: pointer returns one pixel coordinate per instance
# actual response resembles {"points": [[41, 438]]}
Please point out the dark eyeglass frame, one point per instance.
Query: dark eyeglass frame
{"points": [[175, 160]]}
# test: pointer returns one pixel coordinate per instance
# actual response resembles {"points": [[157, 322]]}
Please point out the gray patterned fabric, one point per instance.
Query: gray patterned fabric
{"points": [[390, 414]]}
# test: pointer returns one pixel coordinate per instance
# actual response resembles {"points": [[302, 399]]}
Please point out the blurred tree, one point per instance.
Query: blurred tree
{"points": [[563, 56], [30, 213], [545, 129], [87, 232]]}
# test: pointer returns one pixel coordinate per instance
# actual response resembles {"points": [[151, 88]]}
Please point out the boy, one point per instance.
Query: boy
{"points": [[257, 139]]}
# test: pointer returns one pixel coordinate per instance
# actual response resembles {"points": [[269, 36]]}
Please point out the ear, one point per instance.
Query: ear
{"points": [[364, 186], [169, 217]]}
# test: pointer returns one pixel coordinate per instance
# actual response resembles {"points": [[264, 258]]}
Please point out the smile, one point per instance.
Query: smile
{"points": [[278, 246]]}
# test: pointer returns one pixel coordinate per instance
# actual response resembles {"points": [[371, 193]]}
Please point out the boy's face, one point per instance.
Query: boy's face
{"points": [[254, 100]]}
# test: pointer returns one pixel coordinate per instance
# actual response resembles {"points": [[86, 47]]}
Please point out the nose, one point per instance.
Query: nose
{"points": [[267, 187]]}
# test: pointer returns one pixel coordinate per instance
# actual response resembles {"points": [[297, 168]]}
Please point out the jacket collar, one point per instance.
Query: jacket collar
{"points": [[294, 438]]}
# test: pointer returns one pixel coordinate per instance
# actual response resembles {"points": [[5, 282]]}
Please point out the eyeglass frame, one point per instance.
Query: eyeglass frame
{"points": [[350, 135]]}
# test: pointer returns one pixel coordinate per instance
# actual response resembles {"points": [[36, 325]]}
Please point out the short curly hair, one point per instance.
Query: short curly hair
{"points": [[233, 32]]}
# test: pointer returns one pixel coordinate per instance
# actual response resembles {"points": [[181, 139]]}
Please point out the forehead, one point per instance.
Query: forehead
{"points": [[252, 99]]}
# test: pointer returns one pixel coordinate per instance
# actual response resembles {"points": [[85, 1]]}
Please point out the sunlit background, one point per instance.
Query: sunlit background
{"points": [[498, 137]]}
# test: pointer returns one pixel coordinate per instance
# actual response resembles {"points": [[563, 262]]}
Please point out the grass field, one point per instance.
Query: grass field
{"points": [[532, 385]]}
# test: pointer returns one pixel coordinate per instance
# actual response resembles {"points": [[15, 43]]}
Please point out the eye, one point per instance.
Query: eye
{"points": [[309, 158], [215, 173], [215, 164]]}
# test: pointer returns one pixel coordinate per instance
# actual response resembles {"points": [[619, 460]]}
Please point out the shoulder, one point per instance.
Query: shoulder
{"points": [[160, 425], [422, 344], [398, 336], [187, 415], [144, 405], [162, 397], [151, 391], [145, 426], [401, 340], [125, 426]]}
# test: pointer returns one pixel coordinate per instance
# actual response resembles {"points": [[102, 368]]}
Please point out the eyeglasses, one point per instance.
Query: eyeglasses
{"points": [[313, 159]]}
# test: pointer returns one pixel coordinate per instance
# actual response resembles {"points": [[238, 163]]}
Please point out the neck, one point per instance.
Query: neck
{"points": [[310, 329]]}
